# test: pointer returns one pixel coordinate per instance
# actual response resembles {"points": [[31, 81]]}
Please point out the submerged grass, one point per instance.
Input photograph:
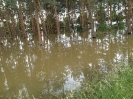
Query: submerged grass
{"points": [[118, 84]]}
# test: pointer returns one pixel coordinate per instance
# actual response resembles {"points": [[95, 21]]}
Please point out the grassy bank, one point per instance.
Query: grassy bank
{"points": [[118, 84]]}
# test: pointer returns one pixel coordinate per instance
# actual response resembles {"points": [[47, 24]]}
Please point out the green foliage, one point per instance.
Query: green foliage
{"points": [[98, 34], [117, 17], [120, 17], [65, 19], [66, 23], [114, 16], [103, 27], [50, 20], [62, 25], [115, 26], [79, 28], [121, 25], [78, 19], [70, 7], [49, 2], [101, 15], [116, 85], [10, 3]]}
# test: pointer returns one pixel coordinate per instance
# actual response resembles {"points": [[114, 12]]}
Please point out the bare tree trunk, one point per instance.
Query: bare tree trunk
{"points": [[74, 22], [110, 16], [32, 20], [132, 23], [33, 24], [13, 24], [82, 14], [22, 21], [37, 22], [42, 20], [57, 21], [129, 30], [68, 15]]}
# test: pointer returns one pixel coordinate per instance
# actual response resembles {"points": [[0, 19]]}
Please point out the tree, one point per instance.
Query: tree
{"points": [[57, 19], [37, 22], [91, 19], [6, 13], [129, 31], [21, 19], [42, 19]]}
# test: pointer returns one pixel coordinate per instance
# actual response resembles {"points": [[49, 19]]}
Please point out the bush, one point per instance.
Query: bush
{"points": [[121, 25], [118, 84], [62, 25], [79, 28], [103, 27]]}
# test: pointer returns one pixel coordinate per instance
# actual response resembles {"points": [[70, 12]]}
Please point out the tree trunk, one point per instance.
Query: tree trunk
{"points": [[13, 24], [37, 22], [68, 15], [129, 31], [57, 21], [7, 23], [110, 16], [42, 20], [74, 13], [22, 21], [2, 29], [82, 14], [33, 24], [91, 20], [32, 20], [132, 23]]}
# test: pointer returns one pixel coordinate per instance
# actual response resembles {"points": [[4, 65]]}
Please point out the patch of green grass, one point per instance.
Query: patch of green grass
{"points": [[118, 84]]}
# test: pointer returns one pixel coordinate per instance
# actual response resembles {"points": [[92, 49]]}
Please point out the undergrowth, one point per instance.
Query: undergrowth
{"points": [[118, 84]]}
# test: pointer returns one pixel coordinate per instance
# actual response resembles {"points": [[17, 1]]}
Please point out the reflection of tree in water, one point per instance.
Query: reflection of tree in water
{"points": [[116, 52], [90, 61], [62, 67], [53, 74]]}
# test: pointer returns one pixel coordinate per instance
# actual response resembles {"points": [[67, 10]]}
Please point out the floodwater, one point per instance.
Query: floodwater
{"points": [[28, 70]]}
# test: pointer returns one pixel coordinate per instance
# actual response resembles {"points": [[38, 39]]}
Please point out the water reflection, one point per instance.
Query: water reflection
{"points": [[28, 70]]}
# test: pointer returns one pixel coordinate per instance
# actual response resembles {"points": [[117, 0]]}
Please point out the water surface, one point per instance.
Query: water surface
{"points": [[61, 64]]}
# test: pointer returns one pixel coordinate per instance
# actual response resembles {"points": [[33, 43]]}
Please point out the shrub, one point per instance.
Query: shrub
{"points": [[103, 27], [121, 25], [79, 28], [118, 84]]}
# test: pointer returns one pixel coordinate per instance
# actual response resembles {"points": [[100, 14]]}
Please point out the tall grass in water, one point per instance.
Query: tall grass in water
{"points": [[118, 84]]}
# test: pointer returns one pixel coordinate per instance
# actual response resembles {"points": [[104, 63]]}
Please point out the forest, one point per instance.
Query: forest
{"points": [[45, 17]]}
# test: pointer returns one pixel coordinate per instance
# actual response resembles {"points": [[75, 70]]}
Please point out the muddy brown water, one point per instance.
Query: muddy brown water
{"points": [[61, 64]]}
